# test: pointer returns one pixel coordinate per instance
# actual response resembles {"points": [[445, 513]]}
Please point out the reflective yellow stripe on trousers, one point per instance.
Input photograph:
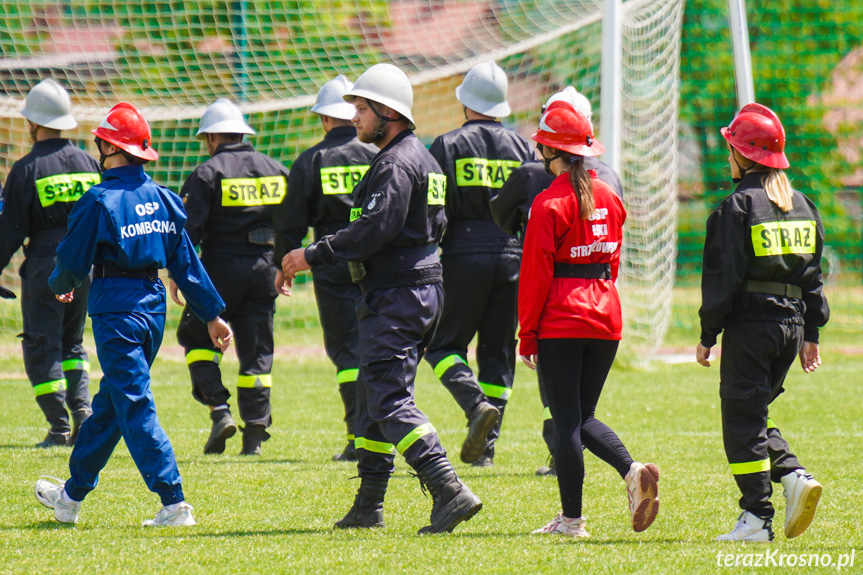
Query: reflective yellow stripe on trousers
{"points": [[75, 365], [415, 434], [750, 467], [203, 355], [446, 363], [49, 387], [252, 381], [496, 391], [347, 375], [373, 446]]}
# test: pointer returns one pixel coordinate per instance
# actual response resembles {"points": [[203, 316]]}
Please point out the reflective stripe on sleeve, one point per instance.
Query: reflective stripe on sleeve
{"points": [[49, 387], [252, 381], [373, 446], [750, 467], [194, 355], [415, 434]]}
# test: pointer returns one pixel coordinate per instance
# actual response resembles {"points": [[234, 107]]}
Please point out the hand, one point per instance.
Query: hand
{"points": [[283, 284], [66, 297], [294, 262], [174, 290], [702, 355], [530, 361], [220, 333], [810, 360]]}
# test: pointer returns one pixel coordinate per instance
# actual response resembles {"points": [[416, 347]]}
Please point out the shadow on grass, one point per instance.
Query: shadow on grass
{"points": [[258, 532], [237, 461], [47, 525], [34, 448]]}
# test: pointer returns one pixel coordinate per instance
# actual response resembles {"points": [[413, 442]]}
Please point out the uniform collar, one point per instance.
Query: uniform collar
{"points": [[341, 131], [129, 173], [52, 144], [492, 122], [398, 138], [240, 147]]}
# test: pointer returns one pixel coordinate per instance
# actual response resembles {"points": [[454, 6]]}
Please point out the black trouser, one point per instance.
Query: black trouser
{"points": [[574, 372], [756, 357], [395, 325], [52, 342], [337, 296], [246, 284], [481, 299]]}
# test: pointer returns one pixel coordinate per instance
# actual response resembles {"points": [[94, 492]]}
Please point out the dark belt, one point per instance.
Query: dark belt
{"points": [[112, 272], [467, 230], [585, 271], [772, 288], [401, 258]]}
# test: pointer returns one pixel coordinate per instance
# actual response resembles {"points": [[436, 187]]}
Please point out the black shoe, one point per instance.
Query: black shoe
{"points": [[348, 454], [223, 428], [483, 461], [54, 440], [550, 469], [454, 502], [367, 512], [253, 436], [483, 419], [78, 418]]}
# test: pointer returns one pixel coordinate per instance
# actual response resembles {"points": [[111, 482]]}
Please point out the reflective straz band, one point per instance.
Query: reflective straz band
{"points": [[64, 187], [779, 238], [356, 213], [437, 189], [483, 172], [267, 191], [412, 437], [373, 446], [253, 381], [341, 179]]}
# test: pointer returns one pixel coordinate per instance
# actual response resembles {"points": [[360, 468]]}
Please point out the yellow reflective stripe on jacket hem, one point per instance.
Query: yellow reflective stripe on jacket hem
{"points": [[64, 187], [194, 355], [252, 381], [771, 424], [49, 387], [75, 365], [265, 191], [373, 446], [341, 179], [779, 238], [496, 391], [750, 467], [347, 375], [411, 437], [446, 363], [546, 413]]}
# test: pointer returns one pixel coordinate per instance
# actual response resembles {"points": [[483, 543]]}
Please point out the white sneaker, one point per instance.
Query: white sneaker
{"points": [[801, 496], [749, 528], [176, 515], [565, 526], [642, 488], [52, 494]]}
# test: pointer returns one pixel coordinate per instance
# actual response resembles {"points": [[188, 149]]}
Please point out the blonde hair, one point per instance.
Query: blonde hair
{"points": [[778, 189]]}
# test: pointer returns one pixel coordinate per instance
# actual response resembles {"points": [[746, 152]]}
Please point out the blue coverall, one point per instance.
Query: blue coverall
{"points": [[129, 223]]}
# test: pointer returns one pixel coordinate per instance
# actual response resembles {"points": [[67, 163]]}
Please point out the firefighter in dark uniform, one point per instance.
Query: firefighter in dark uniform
{"points": [[320, 195], [761, 284], [510, 207], [391, 246], [480, 261], [42, 188], [230, 200]]}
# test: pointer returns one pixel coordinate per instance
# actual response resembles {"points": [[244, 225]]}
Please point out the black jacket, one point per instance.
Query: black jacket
{"points": [[41, 190], [320, 189], [750, 238], [399, 204], [510, 207], [232, 194], [477, 159]]}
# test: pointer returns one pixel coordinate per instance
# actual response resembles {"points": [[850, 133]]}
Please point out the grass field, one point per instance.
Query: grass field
{"points": [[274, 514]]}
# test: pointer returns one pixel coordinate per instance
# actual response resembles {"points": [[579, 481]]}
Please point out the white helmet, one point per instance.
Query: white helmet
{"points": [[223, 117], [330, 101], [388, 85], [48, 105], [484, 90], [574, 98]]}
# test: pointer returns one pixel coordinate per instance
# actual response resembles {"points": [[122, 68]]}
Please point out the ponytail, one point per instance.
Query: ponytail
{"points": [[778, 188], [582, 185]]}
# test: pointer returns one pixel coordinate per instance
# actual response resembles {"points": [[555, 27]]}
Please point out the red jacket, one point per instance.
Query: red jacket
{"points": [[550, 307]]}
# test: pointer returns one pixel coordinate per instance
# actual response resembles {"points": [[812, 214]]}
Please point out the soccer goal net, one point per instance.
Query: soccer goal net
{"points": [[173, 58]]}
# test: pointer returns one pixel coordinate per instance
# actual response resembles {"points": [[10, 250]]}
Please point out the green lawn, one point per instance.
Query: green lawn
{"points": [[274, 514]]}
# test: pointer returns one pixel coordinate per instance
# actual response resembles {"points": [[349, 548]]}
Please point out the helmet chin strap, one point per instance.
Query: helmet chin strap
{"points": [[548, 161], [740, 168], [382, 120], [103, 156]]}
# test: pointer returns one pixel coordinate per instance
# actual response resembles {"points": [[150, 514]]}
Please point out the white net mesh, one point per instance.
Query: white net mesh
{"points": [[174, 58]]}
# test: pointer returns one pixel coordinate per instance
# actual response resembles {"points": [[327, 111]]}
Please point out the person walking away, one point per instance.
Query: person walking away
{"points": [[320, 195], [127, 228], [570, 316], [761, 287], [41, 190]]}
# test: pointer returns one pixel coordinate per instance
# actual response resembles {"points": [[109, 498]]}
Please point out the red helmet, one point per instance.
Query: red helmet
{"points": [[126, 128], [564, 128], [758, 135]]}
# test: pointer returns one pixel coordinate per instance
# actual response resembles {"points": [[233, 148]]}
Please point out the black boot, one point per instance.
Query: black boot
{"points": [[550, 469], [52, 405], [482, 420], [349, 453], [368, 508], [253, 436], [222, 429], [453, 501], [78, 418]]}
